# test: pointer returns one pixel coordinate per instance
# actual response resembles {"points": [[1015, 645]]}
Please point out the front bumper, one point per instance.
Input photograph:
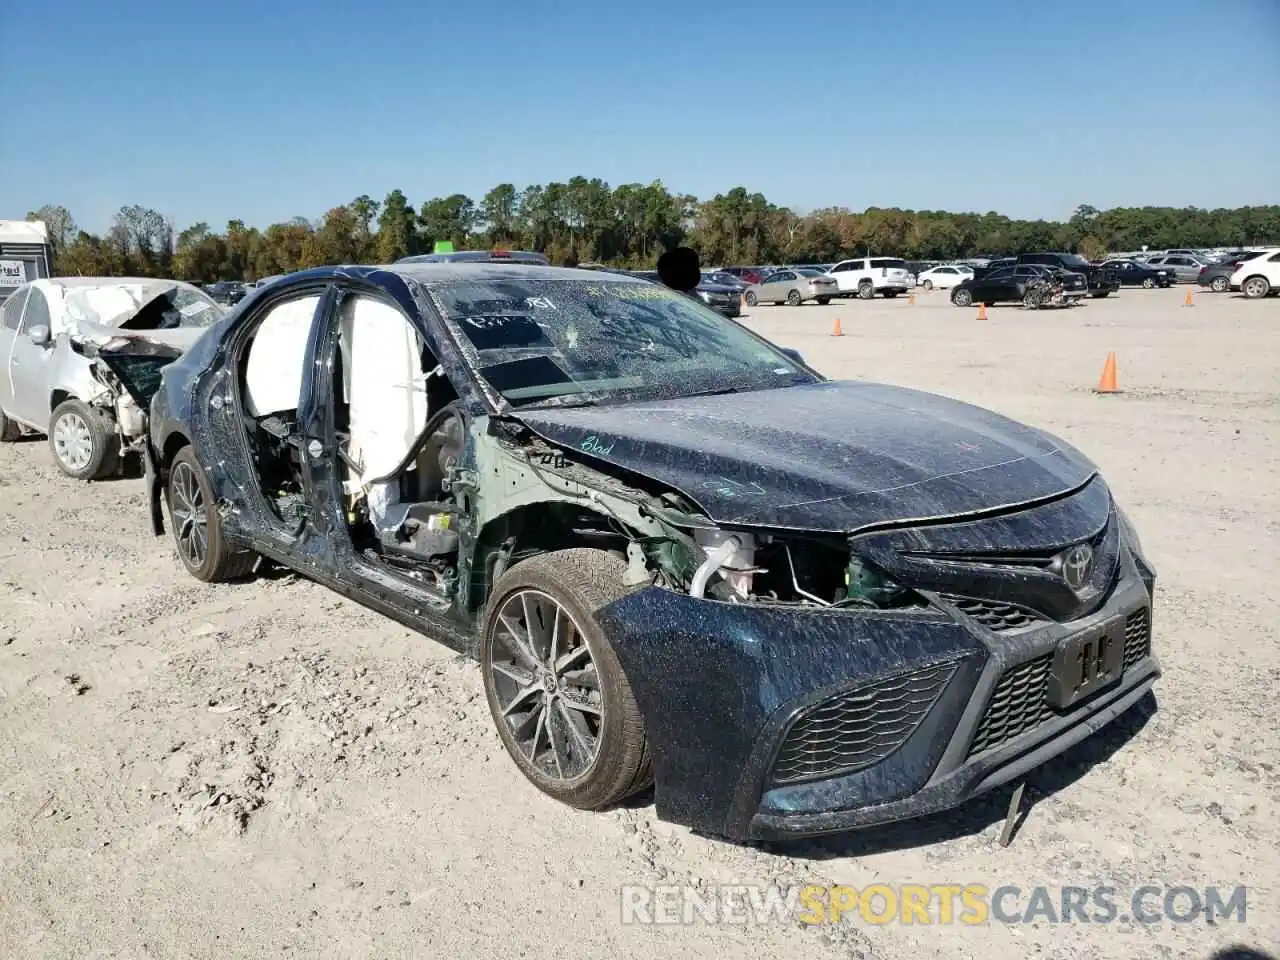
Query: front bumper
{"points": [[723, 686]]}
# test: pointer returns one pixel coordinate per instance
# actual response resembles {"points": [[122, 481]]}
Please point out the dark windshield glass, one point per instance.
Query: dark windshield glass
{"points": [[600, 341], [1074, 260]]}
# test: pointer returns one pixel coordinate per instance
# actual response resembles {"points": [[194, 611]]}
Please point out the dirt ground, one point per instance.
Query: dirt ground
{"points": [[263, 768]]}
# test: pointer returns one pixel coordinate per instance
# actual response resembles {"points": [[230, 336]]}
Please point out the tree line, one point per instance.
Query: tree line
{"points": [[629, 225]]}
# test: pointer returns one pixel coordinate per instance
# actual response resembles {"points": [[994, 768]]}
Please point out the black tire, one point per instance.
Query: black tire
{"points": [[928, 284], [579, 581], [9, 429], [1148, 283], [866, 291], [1255, 287], [961, 297], [1032, 300], [83, 441], [749, 298], [823, 301], [794, 299], [890, 294], [192, 512], [1220, 284]]}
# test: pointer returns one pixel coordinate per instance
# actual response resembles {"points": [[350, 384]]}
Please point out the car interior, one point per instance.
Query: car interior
{"points": [[397, 429]]}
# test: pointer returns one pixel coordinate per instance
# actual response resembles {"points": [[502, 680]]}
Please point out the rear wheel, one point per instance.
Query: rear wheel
{"points": [[1148, 283], [557, 693], [962, 298], [1220, 284], [749, 298], [83, 441], [197, 525], [890, 294], [9, 429], [928, 284], [865, 290], [1255, 288], [823, 301], [794, 299]]}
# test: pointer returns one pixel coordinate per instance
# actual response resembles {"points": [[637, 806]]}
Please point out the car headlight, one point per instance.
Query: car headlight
{"points": [[706, 297]]}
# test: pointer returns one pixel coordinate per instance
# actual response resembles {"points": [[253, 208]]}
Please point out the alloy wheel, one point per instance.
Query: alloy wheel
{"points": [[1256, 287], [72, 441], [186, 507], [547, 685]]}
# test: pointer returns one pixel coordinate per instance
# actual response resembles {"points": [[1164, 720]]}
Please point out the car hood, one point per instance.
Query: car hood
{"points": [[137, 357], [834, 456]]}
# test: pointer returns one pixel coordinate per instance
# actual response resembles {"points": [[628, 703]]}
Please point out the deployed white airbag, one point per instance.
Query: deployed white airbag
{"points": [[385, 386], [273, 375]]}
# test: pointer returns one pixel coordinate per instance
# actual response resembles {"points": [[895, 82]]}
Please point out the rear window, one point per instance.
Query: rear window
{"points": [[887, 263]]}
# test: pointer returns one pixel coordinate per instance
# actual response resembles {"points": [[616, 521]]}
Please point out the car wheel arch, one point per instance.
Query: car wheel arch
{"points": [[58, 397], [526, 531]]}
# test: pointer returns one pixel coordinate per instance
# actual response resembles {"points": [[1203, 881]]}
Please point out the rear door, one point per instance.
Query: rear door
{"points": [[10, 324], [779, 285], [29, 365], [998, 286]]}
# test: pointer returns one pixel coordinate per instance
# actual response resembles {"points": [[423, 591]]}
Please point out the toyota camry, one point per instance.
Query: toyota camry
{"points": [[681, 556]]}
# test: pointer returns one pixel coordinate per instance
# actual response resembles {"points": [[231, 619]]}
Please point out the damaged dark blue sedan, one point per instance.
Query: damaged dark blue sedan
{"points": [[680, 555]]}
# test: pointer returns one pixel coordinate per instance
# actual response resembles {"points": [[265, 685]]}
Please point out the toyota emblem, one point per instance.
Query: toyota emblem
{"points": [[1077, 565]]}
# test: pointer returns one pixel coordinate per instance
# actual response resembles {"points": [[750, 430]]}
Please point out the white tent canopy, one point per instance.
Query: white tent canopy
{"points": [[23, 231]]}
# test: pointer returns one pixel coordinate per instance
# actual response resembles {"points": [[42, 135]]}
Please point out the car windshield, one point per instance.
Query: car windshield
{"points": [[1074, 260], [192, 308], [535, 340], [809, 272]]}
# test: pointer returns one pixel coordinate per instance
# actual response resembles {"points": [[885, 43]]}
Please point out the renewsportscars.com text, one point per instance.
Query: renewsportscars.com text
{"points": [[922, 904]]}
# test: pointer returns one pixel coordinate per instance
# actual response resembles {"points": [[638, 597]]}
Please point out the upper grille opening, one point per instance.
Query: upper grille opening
{"points": [[993, 615]]}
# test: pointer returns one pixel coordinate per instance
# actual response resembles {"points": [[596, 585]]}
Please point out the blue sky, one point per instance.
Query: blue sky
{"points": [[279, 108]]}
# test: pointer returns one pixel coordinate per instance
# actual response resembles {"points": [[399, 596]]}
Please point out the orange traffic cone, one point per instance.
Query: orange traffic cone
{"points": [[835, 329], [982, 311], [1107, 382], [1187, 302]]}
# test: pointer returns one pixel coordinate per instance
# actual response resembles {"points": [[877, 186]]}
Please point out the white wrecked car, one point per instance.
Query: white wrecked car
{"points": [[53, 335]]}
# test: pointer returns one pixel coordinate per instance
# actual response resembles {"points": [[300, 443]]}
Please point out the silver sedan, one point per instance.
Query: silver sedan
{"points": [[792, 287]]}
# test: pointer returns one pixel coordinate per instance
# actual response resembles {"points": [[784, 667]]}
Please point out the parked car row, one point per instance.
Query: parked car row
{"points": [[581, 479]]}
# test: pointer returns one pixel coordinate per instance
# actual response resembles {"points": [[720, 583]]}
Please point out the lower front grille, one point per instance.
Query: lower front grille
{"points": [[854, 730], [1020, 702], [1137, 636]]}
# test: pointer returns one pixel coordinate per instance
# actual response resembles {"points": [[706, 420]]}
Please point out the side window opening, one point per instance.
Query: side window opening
{"points": [[271, 370]]}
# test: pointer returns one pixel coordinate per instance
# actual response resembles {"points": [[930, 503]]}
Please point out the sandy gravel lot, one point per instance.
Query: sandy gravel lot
{"points": [[264, 769]]}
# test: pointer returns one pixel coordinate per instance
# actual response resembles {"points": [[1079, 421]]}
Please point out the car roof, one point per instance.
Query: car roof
{"points": [[455, 272]]}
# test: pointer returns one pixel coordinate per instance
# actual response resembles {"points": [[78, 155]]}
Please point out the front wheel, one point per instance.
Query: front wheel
{"points": [[962, 298], [928, 284], [794, 299], [749, 298], [83, 441], [1148, 283], [197, 525], [562, 705], [1220, 284], [1255, 288]]}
